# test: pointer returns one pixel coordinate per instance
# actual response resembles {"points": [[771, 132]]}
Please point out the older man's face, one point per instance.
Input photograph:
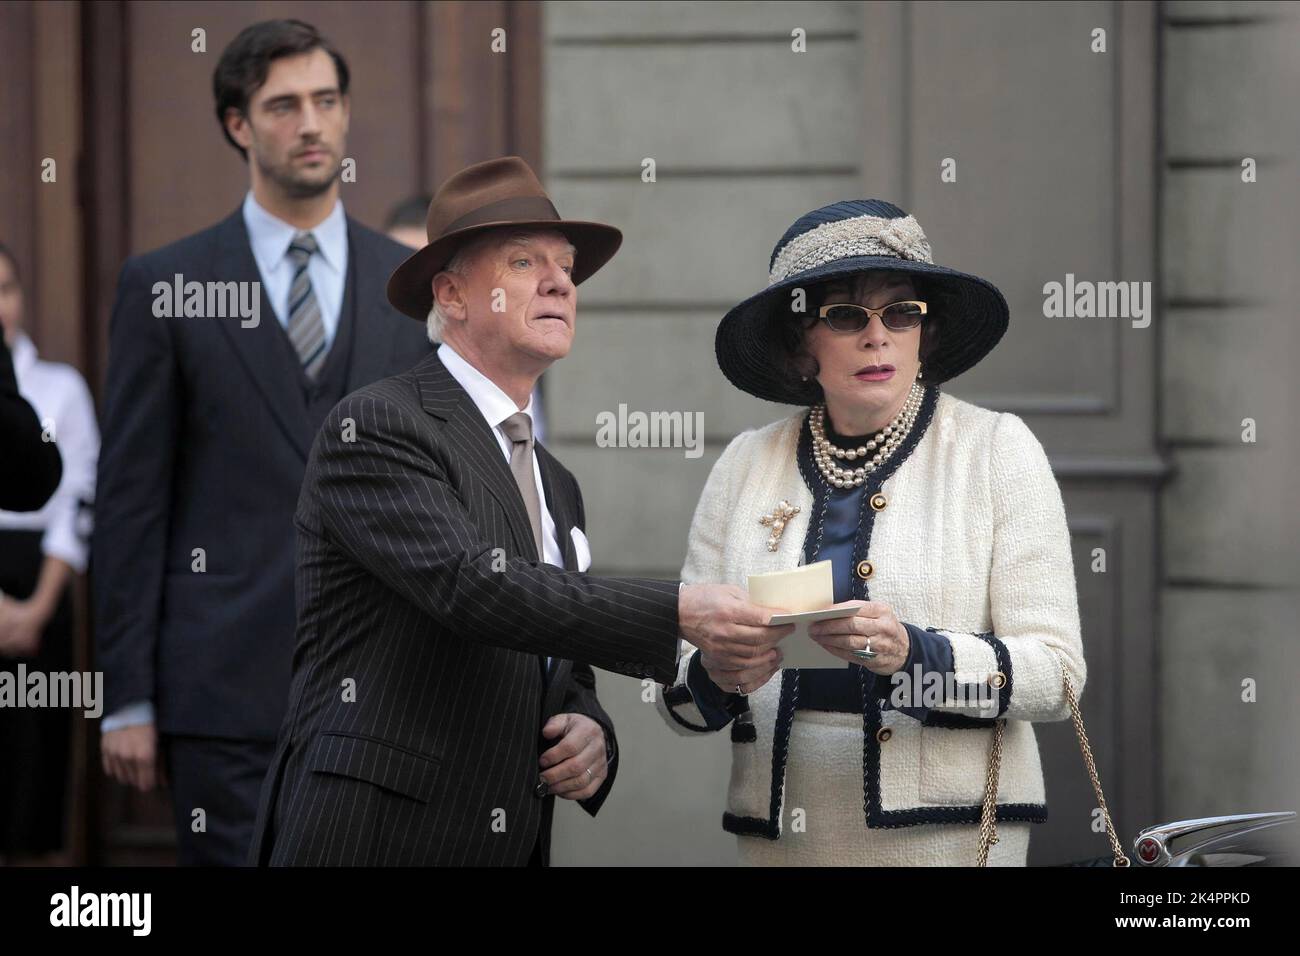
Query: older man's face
{"points": [[520, 303]]}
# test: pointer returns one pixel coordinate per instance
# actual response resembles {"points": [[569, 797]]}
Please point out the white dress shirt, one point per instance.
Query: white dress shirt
{"points": [[327, 269], [62, 402]]}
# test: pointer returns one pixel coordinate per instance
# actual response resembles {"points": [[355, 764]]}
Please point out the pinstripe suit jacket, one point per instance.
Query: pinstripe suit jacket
{"points": [[417, 702]]}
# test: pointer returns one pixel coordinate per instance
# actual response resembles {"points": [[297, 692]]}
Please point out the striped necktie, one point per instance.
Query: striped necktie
{"points": [[306, 328]]}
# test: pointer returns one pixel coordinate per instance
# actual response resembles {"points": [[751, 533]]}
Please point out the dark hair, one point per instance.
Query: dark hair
{"points": [[244, 64], [7, 253], [786, 330], [408, 213]]}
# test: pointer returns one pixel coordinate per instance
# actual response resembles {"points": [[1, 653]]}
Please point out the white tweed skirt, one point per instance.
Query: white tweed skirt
{"points": [[823, 823]]}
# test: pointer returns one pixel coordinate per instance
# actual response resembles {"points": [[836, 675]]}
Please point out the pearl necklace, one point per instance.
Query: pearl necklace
{"points": [[886, 440]]}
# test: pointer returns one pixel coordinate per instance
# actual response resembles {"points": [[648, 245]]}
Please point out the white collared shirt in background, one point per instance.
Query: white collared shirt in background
{"points": [[60, 398]]}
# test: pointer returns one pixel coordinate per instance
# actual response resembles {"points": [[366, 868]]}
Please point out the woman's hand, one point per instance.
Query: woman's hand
{"points": [[874, 620], [21, 625]]}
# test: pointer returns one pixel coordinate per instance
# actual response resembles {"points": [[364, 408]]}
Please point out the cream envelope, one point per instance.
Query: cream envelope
{"points": [[806, 594]]}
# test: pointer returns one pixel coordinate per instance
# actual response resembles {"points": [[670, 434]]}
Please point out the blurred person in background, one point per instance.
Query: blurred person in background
{"points": [[30, 467], [207, 426], [40, 553], [406, 221]]}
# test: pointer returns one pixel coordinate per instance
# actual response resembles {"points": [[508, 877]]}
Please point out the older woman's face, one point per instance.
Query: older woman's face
{"points": [[866, 373]]}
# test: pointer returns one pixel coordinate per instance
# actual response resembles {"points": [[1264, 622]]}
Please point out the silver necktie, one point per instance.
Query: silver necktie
{"points": [[519, 429]]}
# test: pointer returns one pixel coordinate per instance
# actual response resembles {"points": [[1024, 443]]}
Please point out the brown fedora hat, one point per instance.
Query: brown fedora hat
{"points": [[499, 192]]}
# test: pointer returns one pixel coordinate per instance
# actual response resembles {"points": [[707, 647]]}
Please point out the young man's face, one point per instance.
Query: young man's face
{"points": [[296, 125]]}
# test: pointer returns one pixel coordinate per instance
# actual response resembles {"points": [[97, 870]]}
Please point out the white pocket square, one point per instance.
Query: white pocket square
{"points": [[581, 548]]}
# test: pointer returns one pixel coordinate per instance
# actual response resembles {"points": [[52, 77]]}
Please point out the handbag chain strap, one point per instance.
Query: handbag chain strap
{"points": [[988, 817]]}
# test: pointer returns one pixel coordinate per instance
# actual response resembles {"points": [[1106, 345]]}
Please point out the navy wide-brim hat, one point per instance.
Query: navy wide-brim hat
{"points": [[844, 239]]}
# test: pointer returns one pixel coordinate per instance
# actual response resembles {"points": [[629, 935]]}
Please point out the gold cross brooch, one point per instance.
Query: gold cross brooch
{"points": [[782, 513]]}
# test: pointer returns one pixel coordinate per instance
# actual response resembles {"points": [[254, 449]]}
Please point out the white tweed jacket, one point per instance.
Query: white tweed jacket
{"points": [[971, 542]]}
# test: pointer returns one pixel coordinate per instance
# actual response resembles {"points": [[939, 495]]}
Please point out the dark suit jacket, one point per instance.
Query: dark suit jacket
{"points": [[206, 433], [419, 584], [30, 468]]}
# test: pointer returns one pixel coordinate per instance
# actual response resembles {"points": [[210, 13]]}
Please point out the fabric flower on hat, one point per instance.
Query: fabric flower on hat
{"points": [[904, 236]]}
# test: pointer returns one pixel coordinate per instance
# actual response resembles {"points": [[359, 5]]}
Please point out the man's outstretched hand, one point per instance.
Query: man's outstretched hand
{"points": [[737, 647]]}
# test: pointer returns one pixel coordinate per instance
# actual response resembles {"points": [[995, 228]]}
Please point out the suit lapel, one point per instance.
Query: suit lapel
{"points": [[560, 506], [261, 348], [444, 398], [562, 509], [372, 340]]}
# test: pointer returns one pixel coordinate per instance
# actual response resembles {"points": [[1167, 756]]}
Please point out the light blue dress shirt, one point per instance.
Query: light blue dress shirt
{"points": [[327, 269]]}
